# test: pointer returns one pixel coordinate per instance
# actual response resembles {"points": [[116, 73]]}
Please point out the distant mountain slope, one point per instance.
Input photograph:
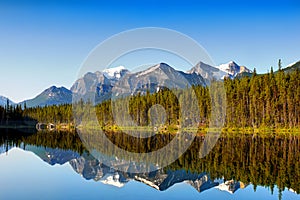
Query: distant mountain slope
{"points": [[165, 180], [91, 85], [231, 70], [244, 74], [51, 96], [53, 156], [156, 77], [207, 71], [3, 101], [3, 149], [292, 67], [101, 85]]}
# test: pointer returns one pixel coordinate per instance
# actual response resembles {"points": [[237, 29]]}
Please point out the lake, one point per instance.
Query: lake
{"points": [[63, 165]]}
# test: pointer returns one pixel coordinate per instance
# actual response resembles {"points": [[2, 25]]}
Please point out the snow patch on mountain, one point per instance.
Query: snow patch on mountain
{"points": [[149, 70], [292, 64], [112, 179], [224, 187], [145, 181], [233, 69], [231, 186], [115, 72]]}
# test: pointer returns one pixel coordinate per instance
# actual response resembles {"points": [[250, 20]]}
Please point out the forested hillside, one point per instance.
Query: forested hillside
{"points": [[269, 100]]}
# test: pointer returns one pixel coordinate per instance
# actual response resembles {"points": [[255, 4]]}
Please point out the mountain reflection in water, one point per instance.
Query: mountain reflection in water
{"points": [[234, 163]]}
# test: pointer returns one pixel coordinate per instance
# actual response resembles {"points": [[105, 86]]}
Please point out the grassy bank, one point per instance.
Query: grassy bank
{"points": [[198, 131]]}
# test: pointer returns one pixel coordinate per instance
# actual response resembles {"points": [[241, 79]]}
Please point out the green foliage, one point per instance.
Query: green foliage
{"points": [[265, 160], [270, 100], [292, 68], [54, 114]]}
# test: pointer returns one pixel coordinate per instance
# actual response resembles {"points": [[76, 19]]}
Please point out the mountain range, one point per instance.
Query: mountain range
{"points": [[119, 80]]}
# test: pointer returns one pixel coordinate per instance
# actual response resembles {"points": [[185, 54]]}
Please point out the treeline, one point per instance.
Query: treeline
{"points": [[56, 140], [11, 115], [55, 113], [189, 107], [269, 100], [16, 115], [135, 110]]}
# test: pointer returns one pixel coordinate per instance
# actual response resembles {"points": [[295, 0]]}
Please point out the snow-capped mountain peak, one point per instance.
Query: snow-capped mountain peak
{"points": [[115, 72], [230, 67], [233, 69]]}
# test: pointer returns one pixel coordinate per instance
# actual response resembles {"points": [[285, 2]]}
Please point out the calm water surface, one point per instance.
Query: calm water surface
{"points": [[56, 165]]}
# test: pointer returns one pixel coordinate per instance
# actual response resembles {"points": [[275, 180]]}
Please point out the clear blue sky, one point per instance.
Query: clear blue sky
{"points": [[43, 43]]}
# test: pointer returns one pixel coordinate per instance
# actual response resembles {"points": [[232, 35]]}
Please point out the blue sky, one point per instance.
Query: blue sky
{"points": [[43, 43]]}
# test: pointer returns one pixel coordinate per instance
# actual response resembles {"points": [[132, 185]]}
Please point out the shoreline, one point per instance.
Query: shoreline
{"points": [[200, 130], [164, 129]]}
